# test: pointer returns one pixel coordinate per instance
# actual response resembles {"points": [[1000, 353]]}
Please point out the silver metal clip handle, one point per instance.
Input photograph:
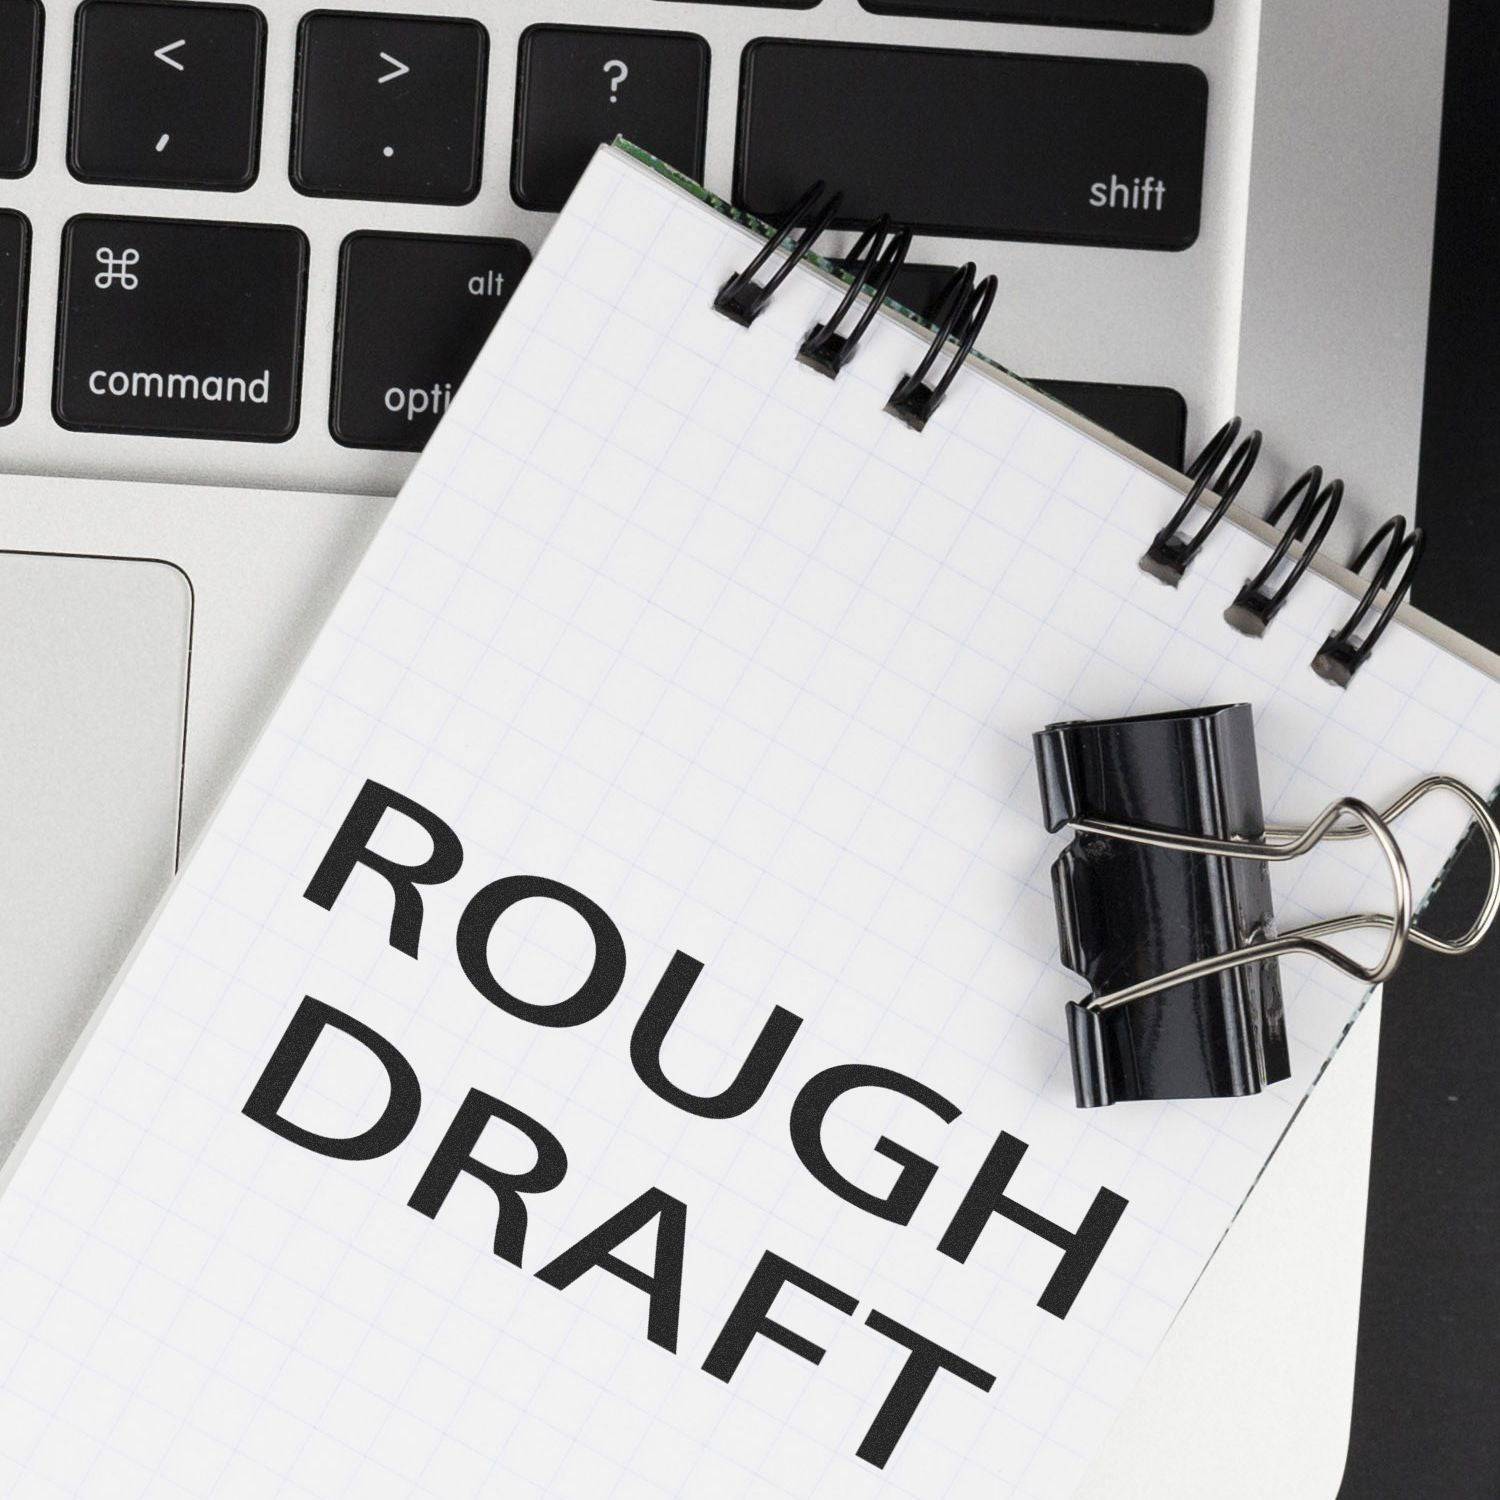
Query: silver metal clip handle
{"points": [[1334, 822]]}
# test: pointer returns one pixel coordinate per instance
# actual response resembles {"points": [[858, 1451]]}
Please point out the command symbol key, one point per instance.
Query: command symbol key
{"points": [[180, 327]]}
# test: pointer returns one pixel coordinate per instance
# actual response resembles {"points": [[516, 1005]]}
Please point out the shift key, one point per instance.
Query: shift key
{"points": [[993, 145], [180, 328]]}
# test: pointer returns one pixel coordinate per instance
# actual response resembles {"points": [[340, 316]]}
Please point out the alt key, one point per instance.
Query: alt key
{"points": [[414, 310]]}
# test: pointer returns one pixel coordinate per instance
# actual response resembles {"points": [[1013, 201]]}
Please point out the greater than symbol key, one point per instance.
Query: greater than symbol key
{"points": [[397, 68]]}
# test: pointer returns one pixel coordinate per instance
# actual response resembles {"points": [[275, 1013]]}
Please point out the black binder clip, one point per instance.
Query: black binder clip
{"points": [[1164, 901]]}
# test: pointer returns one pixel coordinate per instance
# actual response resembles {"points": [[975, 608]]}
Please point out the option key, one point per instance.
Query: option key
{"points": [[414, 310]]}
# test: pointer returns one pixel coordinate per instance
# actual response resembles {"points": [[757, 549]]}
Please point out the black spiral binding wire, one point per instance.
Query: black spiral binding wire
{"points": [[962, 310], [1346, 650], [878, 254], [1221, 469], [1256, 604], [1171, 551], [742, 297], [1398, 549]]}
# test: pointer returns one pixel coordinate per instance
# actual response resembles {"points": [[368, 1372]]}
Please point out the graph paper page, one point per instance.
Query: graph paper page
{"points": [[671, 622]]}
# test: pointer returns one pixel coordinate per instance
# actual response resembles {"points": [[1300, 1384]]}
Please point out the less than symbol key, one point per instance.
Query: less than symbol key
{"points": [[168, 95]]}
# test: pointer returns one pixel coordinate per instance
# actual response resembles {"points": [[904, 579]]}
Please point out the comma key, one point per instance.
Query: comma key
{"points": [[414, 310], [180, 328], [167, 95]]}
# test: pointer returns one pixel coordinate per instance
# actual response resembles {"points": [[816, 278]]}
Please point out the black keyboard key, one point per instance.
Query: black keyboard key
{"points": [[167, 95], [414, 310], [916, 285], [180, 327], [985, 144], [1152, 418], [1125, 15], [20, 83], [389, 107], [15, 241], [578, 86]]}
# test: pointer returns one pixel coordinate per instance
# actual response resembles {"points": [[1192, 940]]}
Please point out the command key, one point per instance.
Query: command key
{"points": [[180, 327]]}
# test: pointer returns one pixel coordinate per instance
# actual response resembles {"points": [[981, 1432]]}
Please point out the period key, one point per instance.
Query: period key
{"points": [[389, 106], [180, 327], [413, 311]]}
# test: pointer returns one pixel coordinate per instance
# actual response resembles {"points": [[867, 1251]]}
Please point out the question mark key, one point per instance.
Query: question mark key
{"points": [[581, 86]]}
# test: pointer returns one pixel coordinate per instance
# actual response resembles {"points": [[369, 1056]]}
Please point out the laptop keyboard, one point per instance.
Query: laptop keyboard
{"points": [[197, 328]]}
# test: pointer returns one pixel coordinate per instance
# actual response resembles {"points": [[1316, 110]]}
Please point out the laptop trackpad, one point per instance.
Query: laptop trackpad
{"points": [[93, 682]]}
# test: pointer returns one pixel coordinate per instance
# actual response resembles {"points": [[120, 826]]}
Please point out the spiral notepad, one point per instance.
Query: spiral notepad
{"points": [[693, 1116]]}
